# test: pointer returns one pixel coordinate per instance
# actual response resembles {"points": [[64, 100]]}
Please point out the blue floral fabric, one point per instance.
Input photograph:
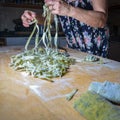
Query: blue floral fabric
{"points": [[83, 37]]}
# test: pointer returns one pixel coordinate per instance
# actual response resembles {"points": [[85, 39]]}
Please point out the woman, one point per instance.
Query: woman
{"points": [[83, 22]]}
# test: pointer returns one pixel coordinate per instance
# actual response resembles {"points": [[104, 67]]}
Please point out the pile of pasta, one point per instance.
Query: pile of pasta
{"points": [[44, 62]]}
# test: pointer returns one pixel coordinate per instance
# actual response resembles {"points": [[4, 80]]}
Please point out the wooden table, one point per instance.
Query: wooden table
{"points": [[23, 97]]}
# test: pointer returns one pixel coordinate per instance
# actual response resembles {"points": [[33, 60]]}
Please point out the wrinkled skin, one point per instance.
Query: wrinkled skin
{"points": [[58, 7]]}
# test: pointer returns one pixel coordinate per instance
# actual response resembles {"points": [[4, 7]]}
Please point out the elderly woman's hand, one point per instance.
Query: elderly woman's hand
{"points": [[58, 7], [27, 17]]}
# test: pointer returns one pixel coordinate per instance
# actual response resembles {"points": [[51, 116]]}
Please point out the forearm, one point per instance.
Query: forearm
{"points": [[90, 17], [95, 18]]}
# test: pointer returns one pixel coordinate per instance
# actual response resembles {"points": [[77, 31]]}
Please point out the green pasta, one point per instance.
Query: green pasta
{"points": [[95, 107], [91, 58], [43, 62]]}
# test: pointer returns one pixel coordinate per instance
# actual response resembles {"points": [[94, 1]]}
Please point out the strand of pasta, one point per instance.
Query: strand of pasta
{"points": [[46, 37]]}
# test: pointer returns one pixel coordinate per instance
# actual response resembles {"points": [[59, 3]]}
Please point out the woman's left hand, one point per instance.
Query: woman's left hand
{"points": [[58, 7]]}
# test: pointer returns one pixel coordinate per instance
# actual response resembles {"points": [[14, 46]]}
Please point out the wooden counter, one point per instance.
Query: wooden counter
{"points": [[25, 98]]}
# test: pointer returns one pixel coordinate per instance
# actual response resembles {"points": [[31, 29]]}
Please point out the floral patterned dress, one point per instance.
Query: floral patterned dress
{"points": [[83, 37]]}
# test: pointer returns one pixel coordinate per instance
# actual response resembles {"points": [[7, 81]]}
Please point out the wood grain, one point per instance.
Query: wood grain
{"points": [[23, 97]]}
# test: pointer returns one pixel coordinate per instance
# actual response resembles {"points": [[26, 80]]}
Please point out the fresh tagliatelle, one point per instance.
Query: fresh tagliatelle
{"points": [[43, 62]]}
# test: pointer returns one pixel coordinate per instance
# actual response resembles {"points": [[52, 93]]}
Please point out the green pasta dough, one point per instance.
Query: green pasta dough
{"points": [[107, 89], [94, 107]]}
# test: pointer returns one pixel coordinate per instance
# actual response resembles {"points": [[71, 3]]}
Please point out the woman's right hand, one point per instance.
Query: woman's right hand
{"points": [[27, 17]]}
